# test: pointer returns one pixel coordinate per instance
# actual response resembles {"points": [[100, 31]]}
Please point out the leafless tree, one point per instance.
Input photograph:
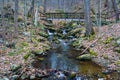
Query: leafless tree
{"points": [[115, 8], [87, 17]]}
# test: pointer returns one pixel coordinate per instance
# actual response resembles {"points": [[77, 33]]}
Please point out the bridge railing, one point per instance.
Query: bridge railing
{"points": [[65, 15]]}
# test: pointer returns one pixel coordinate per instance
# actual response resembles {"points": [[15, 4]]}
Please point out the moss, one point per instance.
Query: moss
{"points": [[6, 62], [117, 50], [37, 51], [92, 52], [20, 19], [108, 40], [29, 16], [91, 37], [27, 55], [43, 34], [117, 62], [35, 45], [12, 53], [34, 40], [24, 44], [105, 56], [78, 42], [41, 59], [85, 57], [42, 27]]}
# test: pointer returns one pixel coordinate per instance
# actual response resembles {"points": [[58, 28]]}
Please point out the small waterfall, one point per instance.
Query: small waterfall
{"points": [[64, 32], [51, 34], [64, 45]]}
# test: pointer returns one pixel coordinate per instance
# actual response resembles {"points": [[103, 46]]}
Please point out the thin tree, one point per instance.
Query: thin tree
{"points": [[45, 6], [25, 17], [115, 8], [87, 18], [36, 14], [2, 16], [16, 18]]}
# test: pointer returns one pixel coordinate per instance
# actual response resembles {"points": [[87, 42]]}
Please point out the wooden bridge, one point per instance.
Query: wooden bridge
{"points": [[65, 16]]}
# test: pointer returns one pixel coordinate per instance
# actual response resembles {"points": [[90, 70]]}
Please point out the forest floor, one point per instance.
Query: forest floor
{"points": [[13, 56], [106, 45]]}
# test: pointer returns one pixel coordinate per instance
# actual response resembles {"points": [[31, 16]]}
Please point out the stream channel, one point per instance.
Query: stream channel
{"points": [[60, 58]]}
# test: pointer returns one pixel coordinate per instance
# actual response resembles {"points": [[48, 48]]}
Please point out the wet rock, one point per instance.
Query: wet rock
{"points": [[14, 77], [5, 78], [11, 45], [78, 78], [107, 71], [39, 52], [60, 76], [26, 34], [118, 41], [1, 41], [100, 78], [15, 67], [24, 76], [32, 77]]}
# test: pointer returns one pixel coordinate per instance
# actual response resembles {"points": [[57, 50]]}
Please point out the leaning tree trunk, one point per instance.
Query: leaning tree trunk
{"points": [[87, 17], [115, 8], [16, 18]]}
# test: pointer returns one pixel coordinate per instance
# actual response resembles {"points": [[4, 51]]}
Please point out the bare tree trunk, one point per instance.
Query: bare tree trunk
{"points": [[16, 18], [87, 17], [33, 18], [3, 18], [99, 16], [36, 14], [45, 3], [2, 13], [115, 8], [25, 17]]}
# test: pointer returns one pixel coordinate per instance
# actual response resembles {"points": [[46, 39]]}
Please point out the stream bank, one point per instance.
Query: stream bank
{"points": [[62, 59]]}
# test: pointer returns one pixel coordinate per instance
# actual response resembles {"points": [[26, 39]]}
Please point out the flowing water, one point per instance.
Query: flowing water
{"points": [[60, 58]]}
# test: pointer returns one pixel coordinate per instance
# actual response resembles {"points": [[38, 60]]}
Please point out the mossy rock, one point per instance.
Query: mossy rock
{"points": [[38, 52], [117, 50], [27, 55], [108, 40], [43, 34], [42, 27], [34, 40], [117, 62], [105, 56], [85, 57], [41, 58], [75, 31], [24, 44], [92, 52], [16, 52], [20, 19], [15, 67], [77, 42], [51, 29]]}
